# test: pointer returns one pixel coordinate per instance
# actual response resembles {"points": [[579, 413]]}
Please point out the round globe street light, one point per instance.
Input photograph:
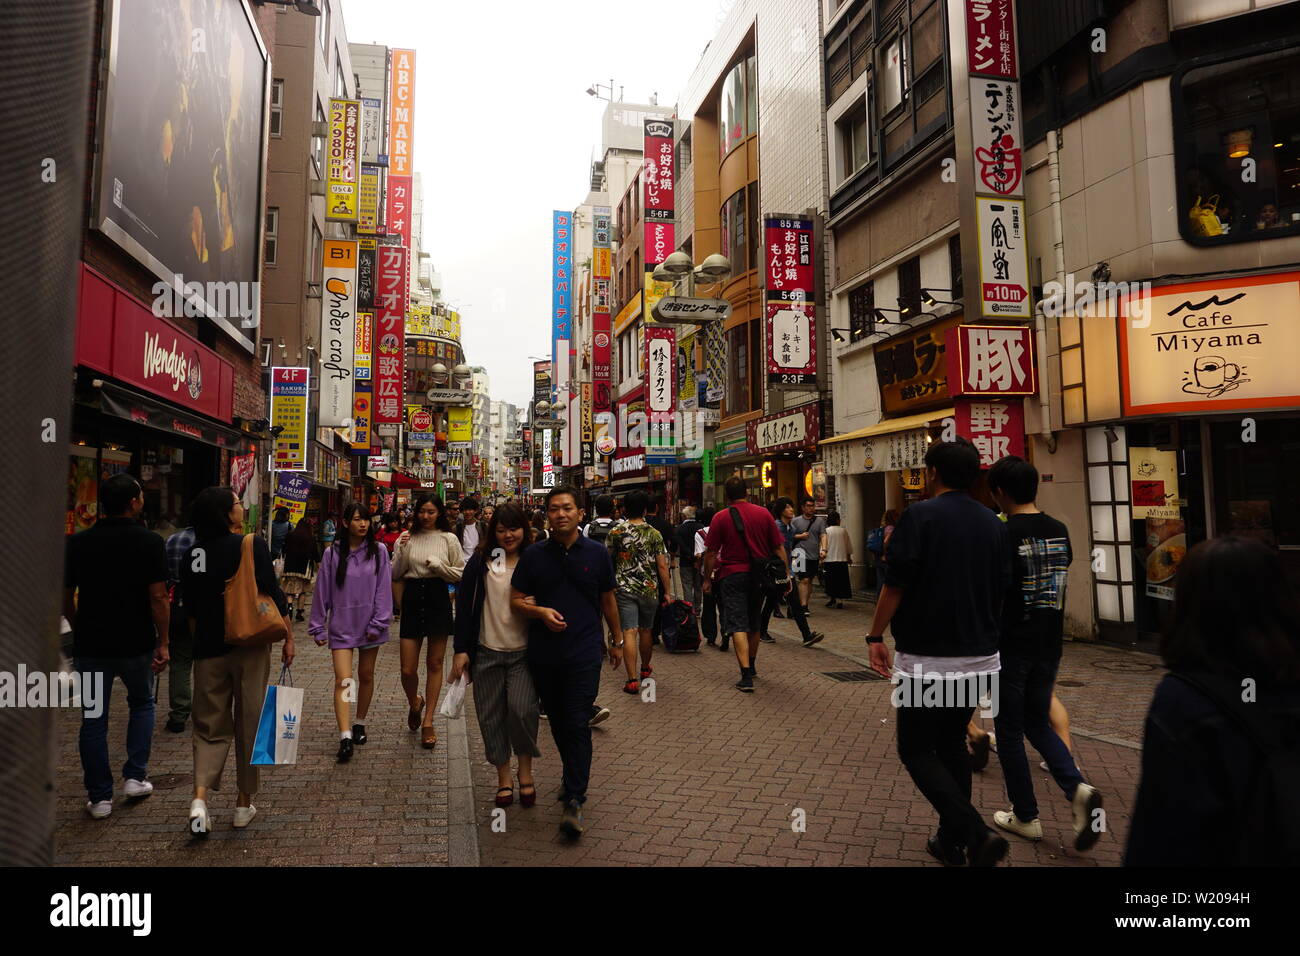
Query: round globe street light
{"points": [[439, 374], [542, 408], [716, 267]]}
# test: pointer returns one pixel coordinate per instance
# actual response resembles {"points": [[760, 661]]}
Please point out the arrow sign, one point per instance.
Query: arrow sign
{"points": [[691, 311]]}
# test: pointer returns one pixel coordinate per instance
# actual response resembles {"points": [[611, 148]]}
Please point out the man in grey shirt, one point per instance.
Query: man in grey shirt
{"points": [[808, 533]]}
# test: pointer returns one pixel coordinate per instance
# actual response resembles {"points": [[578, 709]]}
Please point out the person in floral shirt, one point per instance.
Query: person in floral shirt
{"points": [[639, 554]]}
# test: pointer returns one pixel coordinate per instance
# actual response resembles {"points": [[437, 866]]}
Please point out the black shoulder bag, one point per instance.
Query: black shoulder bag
{"points": [[769, 573]]}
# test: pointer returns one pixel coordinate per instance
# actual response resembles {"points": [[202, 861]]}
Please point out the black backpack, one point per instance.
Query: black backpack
{"points": [[1271, 834], [769, 574], [681, 632], [598, 530]]}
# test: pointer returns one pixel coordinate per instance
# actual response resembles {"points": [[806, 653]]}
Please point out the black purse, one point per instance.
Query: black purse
{"points": [[769, 574]]}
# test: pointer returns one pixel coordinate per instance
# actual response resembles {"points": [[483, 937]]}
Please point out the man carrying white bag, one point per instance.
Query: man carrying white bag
{"points": [[277, 729]]}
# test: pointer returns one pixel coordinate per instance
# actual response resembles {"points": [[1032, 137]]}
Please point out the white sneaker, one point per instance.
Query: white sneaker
{"points": [[1088, 822], [99, 809], [244, 816], [1007, 820], [200, 824], [137, 789]]}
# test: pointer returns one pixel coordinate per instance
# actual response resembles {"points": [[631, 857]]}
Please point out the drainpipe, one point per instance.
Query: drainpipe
{"points": [[1058, 263]]}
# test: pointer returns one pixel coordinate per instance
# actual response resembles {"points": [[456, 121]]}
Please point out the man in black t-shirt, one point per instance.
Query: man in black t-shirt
{"points": [[655, 519], [1033, 623], [115, 598]]}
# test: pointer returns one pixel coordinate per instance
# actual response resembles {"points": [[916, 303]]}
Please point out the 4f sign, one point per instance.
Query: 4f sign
{"points": [[1004, 258]]}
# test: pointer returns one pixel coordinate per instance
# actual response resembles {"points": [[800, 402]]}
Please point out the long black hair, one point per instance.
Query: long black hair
{"points": [[1234, 612], [421, 500], [507, 516], [343, 542], [211, 512]]}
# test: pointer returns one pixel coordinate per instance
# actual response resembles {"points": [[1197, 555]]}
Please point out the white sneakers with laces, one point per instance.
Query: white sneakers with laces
{"points": [[1007, 820]]}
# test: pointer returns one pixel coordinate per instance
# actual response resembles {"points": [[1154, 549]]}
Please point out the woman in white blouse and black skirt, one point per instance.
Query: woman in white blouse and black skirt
{"points": [[425, 559]]}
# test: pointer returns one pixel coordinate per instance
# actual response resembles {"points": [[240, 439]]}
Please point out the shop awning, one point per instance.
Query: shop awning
{"points": [[891, 425], [403, 480], [134, 407]]}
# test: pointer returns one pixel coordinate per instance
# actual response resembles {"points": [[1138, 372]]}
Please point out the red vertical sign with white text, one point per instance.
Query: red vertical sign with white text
{"points": [[390, 331], [657, 182], [791, 284]]}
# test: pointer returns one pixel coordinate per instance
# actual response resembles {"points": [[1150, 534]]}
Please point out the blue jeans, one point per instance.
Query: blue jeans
{"points": [[1025, 691], [137, 675]]}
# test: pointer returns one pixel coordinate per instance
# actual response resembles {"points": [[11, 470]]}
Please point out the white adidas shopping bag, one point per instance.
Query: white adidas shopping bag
{"points": [[277, 729]]}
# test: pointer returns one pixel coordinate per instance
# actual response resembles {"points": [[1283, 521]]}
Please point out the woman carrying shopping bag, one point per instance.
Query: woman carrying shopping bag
{"points": [[229, 680], [492, 648], [301, 555], [351, 610], [426, 558]]}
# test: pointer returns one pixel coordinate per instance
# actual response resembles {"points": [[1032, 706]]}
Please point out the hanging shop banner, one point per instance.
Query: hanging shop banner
{"points": [[991, 360], [366, 256], [791, 274], [1153, 475], [687, 394], [460, 424], [995, 428], [390, 312], [548, 458], [661, 394], [338, 333], [361, 416], [602, 333], [657, 185], [791, 430], [991, 38], [912, 370], [1203, 348], [372, 132], [715, 364], [397, 211], [342, 166], [291, 492], [241, 471], [996, 134], [1004, 258], [587, 425], [362, 345], [561, 285], [419, 427], [541, 382], [289, 387], [401, 114], [791, 337], [368, 201], [791, 287]]}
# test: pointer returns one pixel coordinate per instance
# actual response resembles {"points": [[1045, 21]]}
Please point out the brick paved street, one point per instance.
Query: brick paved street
{"points": [[703, 775]]}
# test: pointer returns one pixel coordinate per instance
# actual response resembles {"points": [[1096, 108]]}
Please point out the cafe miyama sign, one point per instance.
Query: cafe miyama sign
{"points": [[1210, 346]]}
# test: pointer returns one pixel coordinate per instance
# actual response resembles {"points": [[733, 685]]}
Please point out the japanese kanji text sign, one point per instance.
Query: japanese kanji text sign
{"points": [[996, 428], [991, 360], [1004, 257], [912, 370], [991, 38], [795, 428], [661, 393], [995, 131], [289, 390], [791, 284], [602, 335], [561, 276], [390, 333], [657, 180], [397, 212], [341, 166]]}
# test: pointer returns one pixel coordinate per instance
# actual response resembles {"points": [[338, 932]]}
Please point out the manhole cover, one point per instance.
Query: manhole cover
{"points": [[170, 781], [1123, 664], [1071, 683], [851, 676]]}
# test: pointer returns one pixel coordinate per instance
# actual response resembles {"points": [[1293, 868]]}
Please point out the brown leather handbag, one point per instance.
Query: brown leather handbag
{"points": [[252, 619]]}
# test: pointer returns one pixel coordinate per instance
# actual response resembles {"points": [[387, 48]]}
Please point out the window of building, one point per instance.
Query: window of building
{"points": [[318, 143], [755, 229], [323, 25], [1233, 118], [683, 154], [738, 107], [277, 107], [340, 78], [848, 56], [854, 137], [317, 264], [734, 225], [954, 268], [909, 287], [272, 233], [738, 391], [862, 319], [893, 72]]}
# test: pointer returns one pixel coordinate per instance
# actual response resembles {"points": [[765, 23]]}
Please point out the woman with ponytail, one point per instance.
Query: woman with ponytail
{"points": [[351, 610]]}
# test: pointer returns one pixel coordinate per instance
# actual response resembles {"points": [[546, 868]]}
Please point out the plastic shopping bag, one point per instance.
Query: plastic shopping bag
{"points": [[277, 730], [453, 705]]}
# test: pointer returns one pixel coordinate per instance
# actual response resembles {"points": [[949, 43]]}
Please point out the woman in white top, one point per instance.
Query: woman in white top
{"points": [[492, 647], [425, 559], [836, 553]]}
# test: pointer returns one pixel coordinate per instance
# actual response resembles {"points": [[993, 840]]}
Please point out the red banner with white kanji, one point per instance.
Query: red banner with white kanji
{"points": [[397, 210], [991, 360], [995, 427], [657, 186], [390, 331], [791, 284]]}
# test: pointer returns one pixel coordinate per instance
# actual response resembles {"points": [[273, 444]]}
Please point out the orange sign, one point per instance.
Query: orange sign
{"points": [[401, 113]]}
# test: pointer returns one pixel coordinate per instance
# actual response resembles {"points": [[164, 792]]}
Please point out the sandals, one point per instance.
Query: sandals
{"points": [[527, 794], [415, 716], [632, 687], [506, 796], [428, 738], [646, 672]]}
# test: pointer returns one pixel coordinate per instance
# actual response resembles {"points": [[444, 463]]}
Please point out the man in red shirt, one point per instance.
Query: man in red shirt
{"points": [[733, 554]]}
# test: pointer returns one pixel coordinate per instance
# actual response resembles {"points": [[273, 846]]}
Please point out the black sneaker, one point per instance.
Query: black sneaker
{"points": [[767, 638], [746, 684], [947, 855], [599, 717], [777, 613], [989, 851], [571, 823], [813, 638], [175, 726], [359, 734], [345, 749]]}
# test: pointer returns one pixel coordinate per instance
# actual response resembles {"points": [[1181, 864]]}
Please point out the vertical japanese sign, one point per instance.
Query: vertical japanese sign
{"points": [[991, 38], [588, 435], [397, 211], [791, 285], [995, 428], [366, 275], [338, 333], [289, 411], [548, 459], [390, 320], [368, 201], [372, 132], [362, 345], [661, 394], [602, 333], [991, 360], [401, 113], [657, 182], [341, 161], [561, 287], [361, 416], [1004, 257]]}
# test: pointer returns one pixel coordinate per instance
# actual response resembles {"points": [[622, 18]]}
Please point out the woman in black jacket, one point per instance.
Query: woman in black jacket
{"points": [[1224, 727], [301, 556], [491, 644]]}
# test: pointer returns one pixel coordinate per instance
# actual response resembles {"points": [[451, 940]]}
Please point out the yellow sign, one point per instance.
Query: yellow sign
{"points": [[341, 161], [654, 291], [1153, 474], [912, 369], [600, 262], [460, 424], [419, 320], [629, 312], [767, 474], [368, 208]]}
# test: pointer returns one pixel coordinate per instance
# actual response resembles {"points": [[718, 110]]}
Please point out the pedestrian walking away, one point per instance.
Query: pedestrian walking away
{"points": [[229, 680], [1030, 653], [280, 529], [654, 517], [809, 530], [351, 612], [640, 577], [878, 543], [599, 527], [115, 599], [491, 647], [565, 586], [739, 541], [1220, 751], [707, 597], [949, 570], [688, 568], [836, 556], [783, 514], [427, 558], [301, 558], [180, 664]]}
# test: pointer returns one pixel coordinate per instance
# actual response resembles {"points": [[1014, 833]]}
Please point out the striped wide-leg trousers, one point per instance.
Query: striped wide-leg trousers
{"points": [[506, 701]]}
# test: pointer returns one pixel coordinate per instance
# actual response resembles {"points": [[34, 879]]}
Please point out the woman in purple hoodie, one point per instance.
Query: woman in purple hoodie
{"points": [[352, 609]]}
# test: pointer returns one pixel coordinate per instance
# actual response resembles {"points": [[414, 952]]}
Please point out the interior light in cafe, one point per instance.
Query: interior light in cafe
{"points": [[1238, 143], [767, 474]]}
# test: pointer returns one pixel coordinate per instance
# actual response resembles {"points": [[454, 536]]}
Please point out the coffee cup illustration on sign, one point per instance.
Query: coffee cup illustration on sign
{"points": [[1212, 375]]}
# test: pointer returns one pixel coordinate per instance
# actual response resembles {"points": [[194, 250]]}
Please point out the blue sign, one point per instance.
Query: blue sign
{"points": [[561, 283]]}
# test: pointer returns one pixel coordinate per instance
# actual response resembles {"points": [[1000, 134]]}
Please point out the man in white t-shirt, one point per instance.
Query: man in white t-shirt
{"points": [[470, 530]]}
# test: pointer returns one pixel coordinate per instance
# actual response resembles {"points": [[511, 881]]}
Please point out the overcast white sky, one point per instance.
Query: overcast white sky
{"points": [[505, 132]]}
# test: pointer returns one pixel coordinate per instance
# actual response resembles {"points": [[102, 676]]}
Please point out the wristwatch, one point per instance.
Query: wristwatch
{"points": [[880, 639], [619, 644]]}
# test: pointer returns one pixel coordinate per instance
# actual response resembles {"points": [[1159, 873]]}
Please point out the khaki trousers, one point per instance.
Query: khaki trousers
{"points": [[228, 695]]}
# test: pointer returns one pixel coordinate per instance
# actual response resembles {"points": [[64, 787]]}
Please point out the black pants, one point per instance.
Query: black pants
{"points": [[709, 616], [772, 602], [932, 746], [568, 692]]}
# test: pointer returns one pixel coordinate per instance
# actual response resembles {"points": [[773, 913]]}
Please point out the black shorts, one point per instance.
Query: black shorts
{"points": [[741, 604]]}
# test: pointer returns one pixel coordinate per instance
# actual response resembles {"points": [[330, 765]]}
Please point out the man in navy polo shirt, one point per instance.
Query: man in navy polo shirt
{"points": [[565, 584]]}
